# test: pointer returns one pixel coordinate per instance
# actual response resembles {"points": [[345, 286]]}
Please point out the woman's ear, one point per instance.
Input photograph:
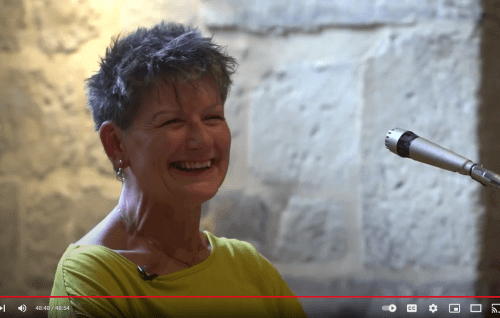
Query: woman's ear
{"points": [[112, 141]]}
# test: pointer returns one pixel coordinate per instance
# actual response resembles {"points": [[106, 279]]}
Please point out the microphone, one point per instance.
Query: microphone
{"points": [[408, 145], [144, 274]]}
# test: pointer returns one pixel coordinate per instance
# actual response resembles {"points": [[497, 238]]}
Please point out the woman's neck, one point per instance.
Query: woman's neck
{"points": [[174, 230]]}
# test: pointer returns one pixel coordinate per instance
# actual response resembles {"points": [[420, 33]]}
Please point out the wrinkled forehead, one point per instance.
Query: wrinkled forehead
{"points": [[175, 94], [169, 94]]}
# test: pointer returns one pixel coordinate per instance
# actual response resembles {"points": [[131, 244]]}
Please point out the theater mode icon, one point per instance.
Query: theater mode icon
{"points": [[476, 308]]}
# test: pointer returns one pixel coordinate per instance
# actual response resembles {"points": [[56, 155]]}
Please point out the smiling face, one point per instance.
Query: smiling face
{"points": [[180, 129]]}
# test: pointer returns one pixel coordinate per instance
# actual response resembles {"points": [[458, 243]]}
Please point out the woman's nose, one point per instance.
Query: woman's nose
{"points": [[198, 135]]}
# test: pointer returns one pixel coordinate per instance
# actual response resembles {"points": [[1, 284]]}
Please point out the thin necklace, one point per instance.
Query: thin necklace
{"points": [[149, 241]]}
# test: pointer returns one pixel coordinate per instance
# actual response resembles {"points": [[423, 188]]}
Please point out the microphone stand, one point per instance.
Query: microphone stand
{"points": [[484, 176]]}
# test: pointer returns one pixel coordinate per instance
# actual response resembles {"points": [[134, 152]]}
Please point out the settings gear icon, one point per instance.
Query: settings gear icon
{"points": [[433, 308]]}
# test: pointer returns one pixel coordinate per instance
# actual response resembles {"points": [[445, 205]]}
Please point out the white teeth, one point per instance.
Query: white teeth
{"points": [[193, 165]]}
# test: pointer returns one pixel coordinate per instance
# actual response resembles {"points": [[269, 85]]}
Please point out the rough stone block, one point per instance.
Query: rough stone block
{"points": [[39, 269], [63, 25], [413, 213], [240, 216], [306, 286], [53, 221], [298, 127], [458, 288], [44, 219], [16, 107], [37, 126], [311, 231], [265, 15], [9, 235], [234, 111], [145, 13], [86, 212], [11, 25]]}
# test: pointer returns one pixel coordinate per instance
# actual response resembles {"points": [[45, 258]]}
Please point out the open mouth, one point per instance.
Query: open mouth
{"points": [[190, 167]]}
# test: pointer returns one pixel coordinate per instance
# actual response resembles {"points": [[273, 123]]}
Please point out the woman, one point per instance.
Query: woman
{"points": [[158, 104]]}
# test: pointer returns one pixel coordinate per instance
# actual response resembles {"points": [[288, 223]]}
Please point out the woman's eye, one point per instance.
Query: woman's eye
{"points": [[215, 117], [176, 120]]}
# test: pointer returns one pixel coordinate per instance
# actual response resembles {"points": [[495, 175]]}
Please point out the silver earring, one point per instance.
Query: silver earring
{"points": [[119, 174]]}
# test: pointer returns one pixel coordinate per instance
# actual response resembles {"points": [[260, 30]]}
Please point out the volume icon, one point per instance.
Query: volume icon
{"points": [[22, 308]]}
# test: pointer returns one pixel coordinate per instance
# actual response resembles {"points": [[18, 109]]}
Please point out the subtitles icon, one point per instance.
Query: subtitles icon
{"points": [[454, 308], [391, 308], [411, 308]]}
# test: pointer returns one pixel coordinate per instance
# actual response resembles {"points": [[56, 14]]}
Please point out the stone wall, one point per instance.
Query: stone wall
{"points": [[310, 183], [55, 180]]}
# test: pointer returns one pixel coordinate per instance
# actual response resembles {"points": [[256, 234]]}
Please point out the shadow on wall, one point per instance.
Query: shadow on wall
{"points": [[489, 134]]}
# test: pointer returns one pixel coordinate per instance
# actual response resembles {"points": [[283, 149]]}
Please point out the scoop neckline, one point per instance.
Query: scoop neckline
{"points": [[181, 272]]}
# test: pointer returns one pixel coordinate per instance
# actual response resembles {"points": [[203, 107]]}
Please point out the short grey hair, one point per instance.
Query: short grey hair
{"points": [[166, 51]]}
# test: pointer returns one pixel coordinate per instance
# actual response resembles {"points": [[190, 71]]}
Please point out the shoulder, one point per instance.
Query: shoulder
{"points": [[233, 245], [90, 270], [87, 255], [243, 259], [234, 251], [243, 254]]}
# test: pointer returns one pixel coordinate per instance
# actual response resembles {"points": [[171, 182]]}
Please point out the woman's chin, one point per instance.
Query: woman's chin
{"points": [[199, 193]]}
